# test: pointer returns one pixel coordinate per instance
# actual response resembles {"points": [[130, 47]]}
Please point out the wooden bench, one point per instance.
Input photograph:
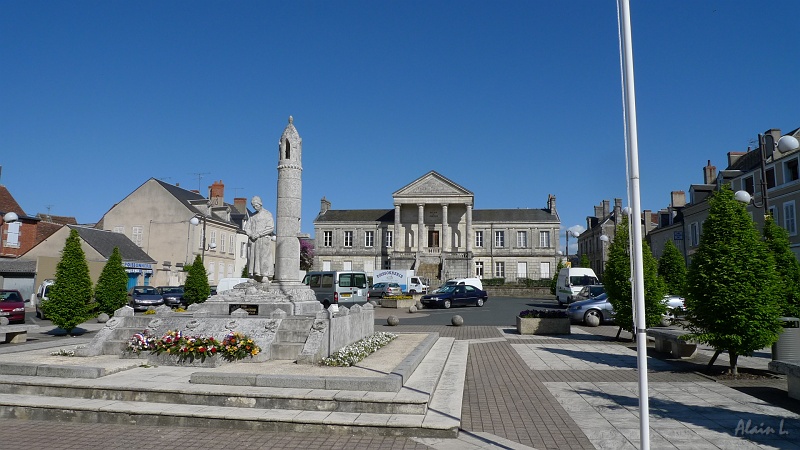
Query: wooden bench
{"points": [[669, 340], [792, 371], [14, 334]]}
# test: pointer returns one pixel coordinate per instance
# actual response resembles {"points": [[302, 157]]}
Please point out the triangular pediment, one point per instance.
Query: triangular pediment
{"points": [[434, 185]]}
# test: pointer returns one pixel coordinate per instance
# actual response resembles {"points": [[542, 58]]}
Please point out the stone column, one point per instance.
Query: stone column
{"points": [[444, 229], [396, 232], [420, 225], [469, 228]]}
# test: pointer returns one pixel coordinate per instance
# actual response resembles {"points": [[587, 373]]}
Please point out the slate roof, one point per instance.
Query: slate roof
{"points": [[478, 215], [9, 265], [61, 220], [185, 197], [105, 241]]}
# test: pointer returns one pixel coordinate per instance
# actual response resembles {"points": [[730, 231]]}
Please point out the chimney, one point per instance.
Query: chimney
{"points": [[240, 203], [217, 193], [551, 204], [678, 199], [617, 210], [732, 158], [606, 208], [324, 206], [710, 172]]}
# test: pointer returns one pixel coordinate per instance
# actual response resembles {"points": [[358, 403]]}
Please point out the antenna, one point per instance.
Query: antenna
{"points": [[199, 176], [235, 190]]}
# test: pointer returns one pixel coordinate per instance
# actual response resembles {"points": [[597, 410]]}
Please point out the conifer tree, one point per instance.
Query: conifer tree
{"points": [[584, 262], [68, 304], [616, 279], [786, 265], [672, 268], [196, 289], [554, 281], [112, 286], [733, 302]]}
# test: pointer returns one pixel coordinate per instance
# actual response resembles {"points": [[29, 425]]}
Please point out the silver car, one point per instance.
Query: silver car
{"points": [[385, 290], [598, 307]]}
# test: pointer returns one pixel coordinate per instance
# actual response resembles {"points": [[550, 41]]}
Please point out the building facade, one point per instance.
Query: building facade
{"points": [[435, 230]]}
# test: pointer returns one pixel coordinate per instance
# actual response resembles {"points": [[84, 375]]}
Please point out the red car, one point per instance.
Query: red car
{"points": [[12, 306]]}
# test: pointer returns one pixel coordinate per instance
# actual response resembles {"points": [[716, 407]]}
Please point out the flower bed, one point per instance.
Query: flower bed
{"points": [[188, 349], [352, 354], [543, 321]]}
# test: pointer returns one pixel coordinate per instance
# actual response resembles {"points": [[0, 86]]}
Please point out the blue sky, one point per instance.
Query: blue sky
{"points": [[513, 100]]}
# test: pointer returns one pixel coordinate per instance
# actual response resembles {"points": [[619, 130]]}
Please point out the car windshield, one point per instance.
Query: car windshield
{"points": [[448, 288], [172, 290], [146, 291], [597, 290], [582, 280], [394, 285]]}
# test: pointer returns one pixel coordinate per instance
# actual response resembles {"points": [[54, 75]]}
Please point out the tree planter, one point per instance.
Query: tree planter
{"points": [[558, 325]]}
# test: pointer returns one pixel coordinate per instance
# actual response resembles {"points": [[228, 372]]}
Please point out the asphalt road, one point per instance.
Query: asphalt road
{"points": [[498, 311]]}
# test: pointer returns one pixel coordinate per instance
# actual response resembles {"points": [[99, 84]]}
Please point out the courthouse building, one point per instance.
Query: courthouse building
{"points": [[435, 230]]}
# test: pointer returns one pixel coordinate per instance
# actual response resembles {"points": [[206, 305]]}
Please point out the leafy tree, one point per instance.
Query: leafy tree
{"points": [[616, 279], [245, 273], [585, 261], [733, 301], [112, 286], [196, 289], [68, 304], [306, 254], [672, 268], [786, 265], [554, 281]]}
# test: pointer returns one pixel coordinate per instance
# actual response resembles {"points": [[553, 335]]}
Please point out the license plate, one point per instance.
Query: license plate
{"points": [[347, 294], [5, 313]]}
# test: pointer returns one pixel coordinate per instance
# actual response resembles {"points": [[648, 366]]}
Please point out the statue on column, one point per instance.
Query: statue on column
{"points": [[260, 256]]}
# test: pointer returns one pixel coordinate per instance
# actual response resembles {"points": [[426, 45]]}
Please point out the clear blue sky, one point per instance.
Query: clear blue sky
{"points": [[513, 100]]}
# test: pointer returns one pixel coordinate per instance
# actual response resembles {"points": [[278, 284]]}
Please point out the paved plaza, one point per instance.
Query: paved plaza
{"points": [[562, 392]]}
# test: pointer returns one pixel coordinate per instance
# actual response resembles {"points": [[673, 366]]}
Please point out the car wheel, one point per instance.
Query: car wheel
{"points": [[412, 292], [479, 302], [592, 318], [326, 304], [383, 294], [446, 304]]}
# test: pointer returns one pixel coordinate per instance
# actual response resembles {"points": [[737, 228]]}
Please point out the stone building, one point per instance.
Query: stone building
{"points": [[435, 230]]}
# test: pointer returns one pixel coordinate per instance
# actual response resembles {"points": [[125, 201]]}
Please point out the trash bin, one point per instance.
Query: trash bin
{"points": [[788, 346]]}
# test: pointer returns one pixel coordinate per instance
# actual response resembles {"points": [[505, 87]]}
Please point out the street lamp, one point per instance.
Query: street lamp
{"points": [[603, 241], [767, 141], [573, 234], [196, 221], [9, 217]]}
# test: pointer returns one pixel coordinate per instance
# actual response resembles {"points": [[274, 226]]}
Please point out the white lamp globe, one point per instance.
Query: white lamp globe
{"points": [[742, 196]]}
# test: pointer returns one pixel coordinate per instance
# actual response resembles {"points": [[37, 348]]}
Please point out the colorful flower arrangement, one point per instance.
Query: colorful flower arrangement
{"points": [[234, 347], [352, 354], [237, 346]]}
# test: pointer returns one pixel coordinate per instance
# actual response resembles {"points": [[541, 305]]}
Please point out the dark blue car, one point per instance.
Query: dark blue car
{"points": [[461, 294]]}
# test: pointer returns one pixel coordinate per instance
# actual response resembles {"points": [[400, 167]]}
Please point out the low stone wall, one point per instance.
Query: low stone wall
{"points": [[332, 332], [518, 291]]}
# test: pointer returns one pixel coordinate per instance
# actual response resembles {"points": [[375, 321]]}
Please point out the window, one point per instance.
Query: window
{"points": [[136, 235], [499, 239], [327, 238], [119, 229], [348, 265], [748, 185], [211, 268], [772, 212], [789, 221], [212, 244], [222, 242], [544, 270], [230, 270], [348, 238], [369, 239], [388, 239], [479, 269], [12, 236], [694, 234], [232, 245], [770, 178], [522, 239], [243, 250], [790, 171], [544, 239], [479, 239], [499, 270], [221, 271]]}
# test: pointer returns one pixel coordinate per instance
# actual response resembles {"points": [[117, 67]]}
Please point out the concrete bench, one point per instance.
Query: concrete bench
{"points": [[669, 340], [15, 334], [792, 371]]}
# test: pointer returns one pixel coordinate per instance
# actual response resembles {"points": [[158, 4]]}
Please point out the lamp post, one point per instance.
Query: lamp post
{"points": [[575, 235], [196, 221], [766, 141], [9, 217], [603, 241]]}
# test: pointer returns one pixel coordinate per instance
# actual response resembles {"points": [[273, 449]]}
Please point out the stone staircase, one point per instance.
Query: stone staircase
{"points": [[427, 402]]}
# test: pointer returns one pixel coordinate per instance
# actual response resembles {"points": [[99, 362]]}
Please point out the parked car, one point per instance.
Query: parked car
{"points": [[384, 290], [42, 295], [450, 295], [598, 307], [12, 306], [172, 295], [142, 297], [590, 291]]}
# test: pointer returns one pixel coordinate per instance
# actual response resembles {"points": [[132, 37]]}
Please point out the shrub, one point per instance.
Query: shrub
{"points": [[494, 282], [196, 289], [112, 286], [68, 305], [543, 314], [352, 354]]}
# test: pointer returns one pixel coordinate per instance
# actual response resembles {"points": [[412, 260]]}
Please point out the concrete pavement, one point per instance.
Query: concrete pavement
{"points": [[565, 392]]}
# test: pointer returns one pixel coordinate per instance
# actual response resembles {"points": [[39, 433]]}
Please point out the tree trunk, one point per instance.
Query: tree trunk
{"points": [[713, 359], [734, 360], [618, 332]]}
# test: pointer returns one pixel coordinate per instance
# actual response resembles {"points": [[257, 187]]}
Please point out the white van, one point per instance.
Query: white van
{"points": [[571, 280], [468, 281], [337, 287], [226, 284]]}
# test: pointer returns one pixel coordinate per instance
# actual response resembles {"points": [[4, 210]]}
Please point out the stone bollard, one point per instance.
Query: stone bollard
{"points": [[3, 320], [102, 318], [457, 321], [592, 320], [393, 321], [412, 309], [373, 303], [419, 305]]}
